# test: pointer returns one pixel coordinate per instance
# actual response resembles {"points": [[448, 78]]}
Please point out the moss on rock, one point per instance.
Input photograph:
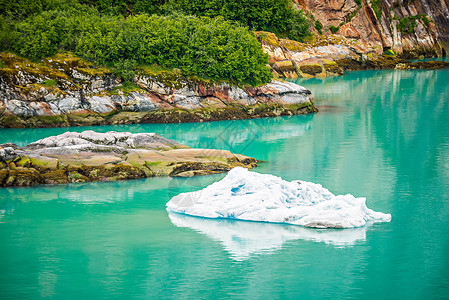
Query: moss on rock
{"points": [[3, 176], [333, 67], [430, 65], [267, 38], [23, 177], [312, 69], [55, 176], [75, 177], [349, 64], [23, 161], [188, 169]]}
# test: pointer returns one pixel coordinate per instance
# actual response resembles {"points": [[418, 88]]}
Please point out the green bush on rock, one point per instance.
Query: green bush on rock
{"points": [[276, 16], [209, 48]]}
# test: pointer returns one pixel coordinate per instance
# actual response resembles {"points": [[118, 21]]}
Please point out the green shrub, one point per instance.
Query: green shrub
{"points": [[20, 9], [334, 29], [426, 20], [125, 69], [377, 7], [408, 24], [319, 26], [209, 48], [276, 16]]}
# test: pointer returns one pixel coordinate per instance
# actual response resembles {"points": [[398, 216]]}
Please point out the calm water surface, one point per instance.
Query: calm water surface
{"points": [[383, 135]]}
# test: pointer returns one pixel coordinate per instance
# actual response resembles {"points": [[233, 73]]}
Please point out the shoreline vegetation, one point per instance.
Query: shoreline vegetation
{"points": [[210, 39]]}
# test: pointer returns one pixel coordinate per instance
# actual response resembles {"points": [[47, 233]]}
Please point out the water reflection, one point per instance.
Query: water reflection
{"points": [[244, 239]]}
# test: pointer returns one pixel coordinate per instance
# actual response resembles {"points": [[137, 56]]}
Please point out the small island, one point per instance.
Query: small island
{"points": [[74, 157]]}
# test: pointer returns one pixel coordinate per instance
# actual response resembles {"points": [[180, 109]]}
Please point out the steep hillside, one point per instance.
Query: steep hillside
{"points": [[408, 27]]}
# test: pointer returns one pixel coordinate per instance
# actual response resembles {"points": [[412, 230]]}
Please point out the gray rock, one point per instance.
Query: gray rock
{"points": [[18, 107], [287, 92], [278, 87], [97, 84], [50, 97], [78, 75], [185, 91], [74, 142], [11, 145], [134, 102], [159, 88], [187, 102], [138, 102], [70, 104], [101, 104], [295, 98], [7, 153], [237, 94]]}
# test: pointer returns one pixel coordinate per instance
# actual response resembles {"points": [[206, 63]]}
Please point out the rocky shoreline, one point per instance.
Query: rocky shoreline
{"points": [[331, 55], [230, 112], [67, 91], [74, 157]]}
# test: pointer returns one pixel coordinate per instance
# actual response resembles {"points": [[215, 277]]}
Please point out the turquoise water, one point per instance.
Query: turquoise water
{"points": [[383, 135]]}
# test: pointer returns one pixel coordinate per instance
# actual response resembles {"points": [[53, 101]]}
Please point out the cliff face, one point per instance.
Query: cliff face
{"points": [[408, 27]]}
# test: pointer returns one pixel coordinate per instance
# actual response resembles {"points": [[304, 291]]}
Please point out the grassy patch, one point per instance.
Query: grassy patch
{"points": [[377, 7], [49, 83], [126, 87], [155, 69]]}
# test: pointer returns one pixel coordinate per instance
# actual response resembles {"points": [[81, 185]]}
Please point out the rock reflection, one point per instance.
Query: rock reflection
{"points": [[243, 239]]}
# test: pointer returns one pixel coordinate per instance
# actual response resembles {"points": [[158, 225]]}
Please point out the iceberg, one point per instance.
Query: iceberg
{"points": [[244, 239], [250, 196]]}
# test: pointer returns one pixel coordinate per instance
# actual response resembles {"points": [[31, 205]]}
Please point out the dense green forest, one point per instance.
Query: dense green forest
{"points": [[207, 38]]}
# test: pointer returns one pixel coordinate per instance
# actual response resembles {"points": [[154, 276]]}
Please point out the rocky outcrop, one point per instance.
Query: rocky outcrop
{"points": [[409, 28], [317, 59], [329, 56], [92, 156], [67, 91]]}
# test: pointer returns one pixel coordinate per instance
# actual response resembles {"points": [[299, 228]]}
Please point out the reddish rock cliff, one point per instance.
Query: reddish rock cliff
{"points": [[410, 27]]}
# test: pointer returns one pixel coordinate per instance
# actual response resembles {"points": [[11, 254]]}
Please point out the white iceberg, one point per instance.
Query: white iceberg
{"points": [[244, 239], [250, 196]]}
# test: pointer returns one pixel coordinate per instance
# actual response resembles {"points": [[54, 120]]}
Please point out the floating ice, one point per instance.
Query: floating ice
{"points": [[251, 196], [245, 239]]}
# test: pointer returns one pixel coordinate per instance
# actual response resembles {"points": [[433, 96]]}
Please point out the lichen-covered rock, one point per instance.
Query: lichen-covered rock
{"points": [[112, 141], [74, 157]]}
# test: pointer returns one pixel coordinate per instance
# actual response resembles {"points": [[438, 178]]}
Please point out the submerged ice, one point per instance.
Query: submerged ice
{"points": [[245, 239], [251, 196]]}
